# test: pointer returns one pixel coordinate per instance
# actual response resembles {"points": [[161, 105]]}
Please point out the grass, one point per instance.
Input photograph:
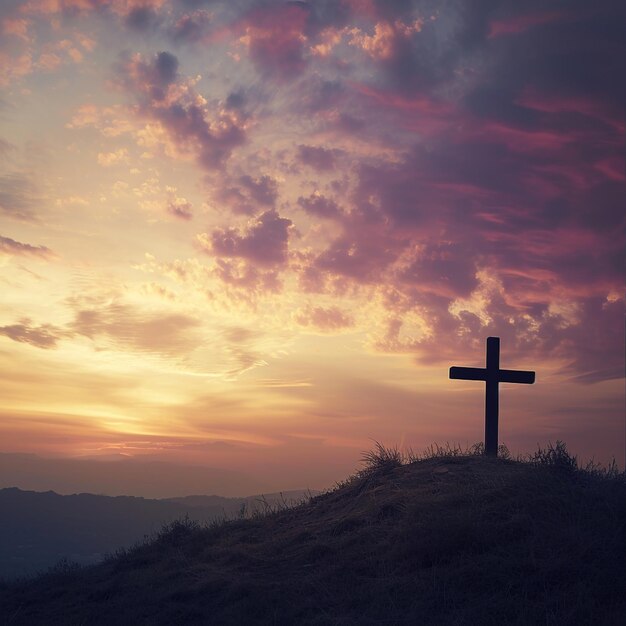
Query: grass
{"points": [[553, 455], [445, 537]]}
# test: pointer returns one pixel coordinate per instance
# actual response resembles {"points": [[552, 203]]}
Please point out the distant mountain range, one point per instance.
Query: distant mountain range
{"points": [[37, 530]]}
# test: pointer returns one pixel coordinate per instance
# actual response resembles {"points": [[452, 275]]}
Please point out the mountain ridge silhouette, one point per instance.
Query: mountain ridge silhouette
{"points": [[39, 529]]}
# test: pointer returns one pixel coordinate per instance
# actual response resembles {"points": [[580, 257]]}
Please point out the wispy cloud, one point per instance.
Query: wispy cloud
{"points": [[44, 336], [18, 196], [17, 248]]}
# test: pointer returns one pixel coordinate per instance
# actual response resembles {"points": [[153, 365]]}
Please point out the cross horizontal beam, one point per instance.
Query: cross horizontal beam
{"points": [[516, 376], [468, 373], [502, 376]]}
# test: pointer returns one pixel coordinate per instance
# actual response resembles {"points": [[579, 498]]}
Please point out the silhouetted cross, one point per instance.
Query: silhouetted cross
{"points": [[492, 375]]}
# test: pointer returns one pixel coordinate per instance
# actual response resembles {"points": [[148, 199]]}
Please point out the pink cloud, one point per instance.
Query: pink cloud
{"points": [[17, 248], [359, 256], [164, 96], [275, 38], [265, 242], [17, 28], [584, 105], [320, 159], [470, 174], [180, 208], [160, 333], [246, 279], [521, 23], [442, 268], [319, 206], [383, 43], [612, 168], [365, 8], [191, 27], [262, 190], [246, 194], [44, 336], [326, 319], [12, 68], [73, 7], [423, 113]]}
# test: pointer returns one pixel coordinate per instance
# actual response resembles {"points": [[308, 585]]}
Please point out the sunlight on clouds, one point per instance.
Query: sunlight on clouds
{"points": [[108, 159], [278, 224], [567, 312], [478, 303]]}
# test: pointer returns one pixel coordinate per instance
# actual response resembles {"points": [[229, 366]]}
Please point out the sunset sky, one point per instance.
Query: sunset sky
{"points": [[254, 235]]}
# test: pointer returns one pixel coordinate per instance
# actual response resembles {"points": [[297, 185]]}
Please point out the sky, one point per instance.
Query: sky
{"points": [[254, 235]]}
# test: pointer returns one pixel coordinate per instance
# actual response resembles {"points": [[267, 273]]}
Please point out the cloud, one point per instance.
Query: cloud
{"points": [[141, 18], [184, 115], [365, 248], [265, 242], [180, 208], [18, 196], [49, 61], [16, 27], [325, 319], [246, 194], [169, 334], [152, 78], [320, 94], [263, 190], [470, 159], [443, 268], [191, 27], [521, 23], [83, 7], [320, 159], [383, 44], [108, 159], [44, 336], [319, 206], [23, 47], [486, 162], [110, 121], [114, 325], [246, 282], [590, 343], [13, 68], [241, 348], [17, 248], [274, 37]]}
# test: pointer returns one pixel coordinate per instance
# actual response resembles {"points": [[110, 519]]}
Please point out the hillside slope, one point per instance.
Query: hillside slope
{"points": [[450, 540]]}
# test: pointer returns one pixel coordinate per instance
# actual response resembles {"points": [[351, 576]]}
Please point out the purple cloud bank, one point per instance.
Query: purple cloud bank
{"points": [[465, 161]]}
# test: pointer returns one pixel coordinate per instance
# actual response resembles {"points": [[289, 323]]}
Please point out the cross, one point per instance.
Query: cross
{"points": [[492, 375]]}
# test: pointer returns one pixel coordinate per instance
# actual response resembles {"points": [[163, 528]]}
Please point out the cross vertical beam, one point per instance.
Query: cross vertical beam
{"points": [[493, 376], [492, 401]]}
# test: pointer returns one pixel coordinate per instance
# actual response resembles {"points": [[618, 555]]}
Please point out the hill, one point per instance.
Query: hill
{"points": [[39, 529], [444, 540]]}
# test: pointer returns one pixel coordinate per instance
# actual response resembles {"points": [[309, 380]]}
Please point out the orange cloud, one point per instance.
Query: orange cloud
{"points": [[382, 44]]}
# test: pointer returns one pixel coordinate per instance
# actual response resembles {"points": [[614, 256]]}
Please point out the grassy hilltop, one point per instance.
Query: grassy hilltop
{"points": [[449, 539]]}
